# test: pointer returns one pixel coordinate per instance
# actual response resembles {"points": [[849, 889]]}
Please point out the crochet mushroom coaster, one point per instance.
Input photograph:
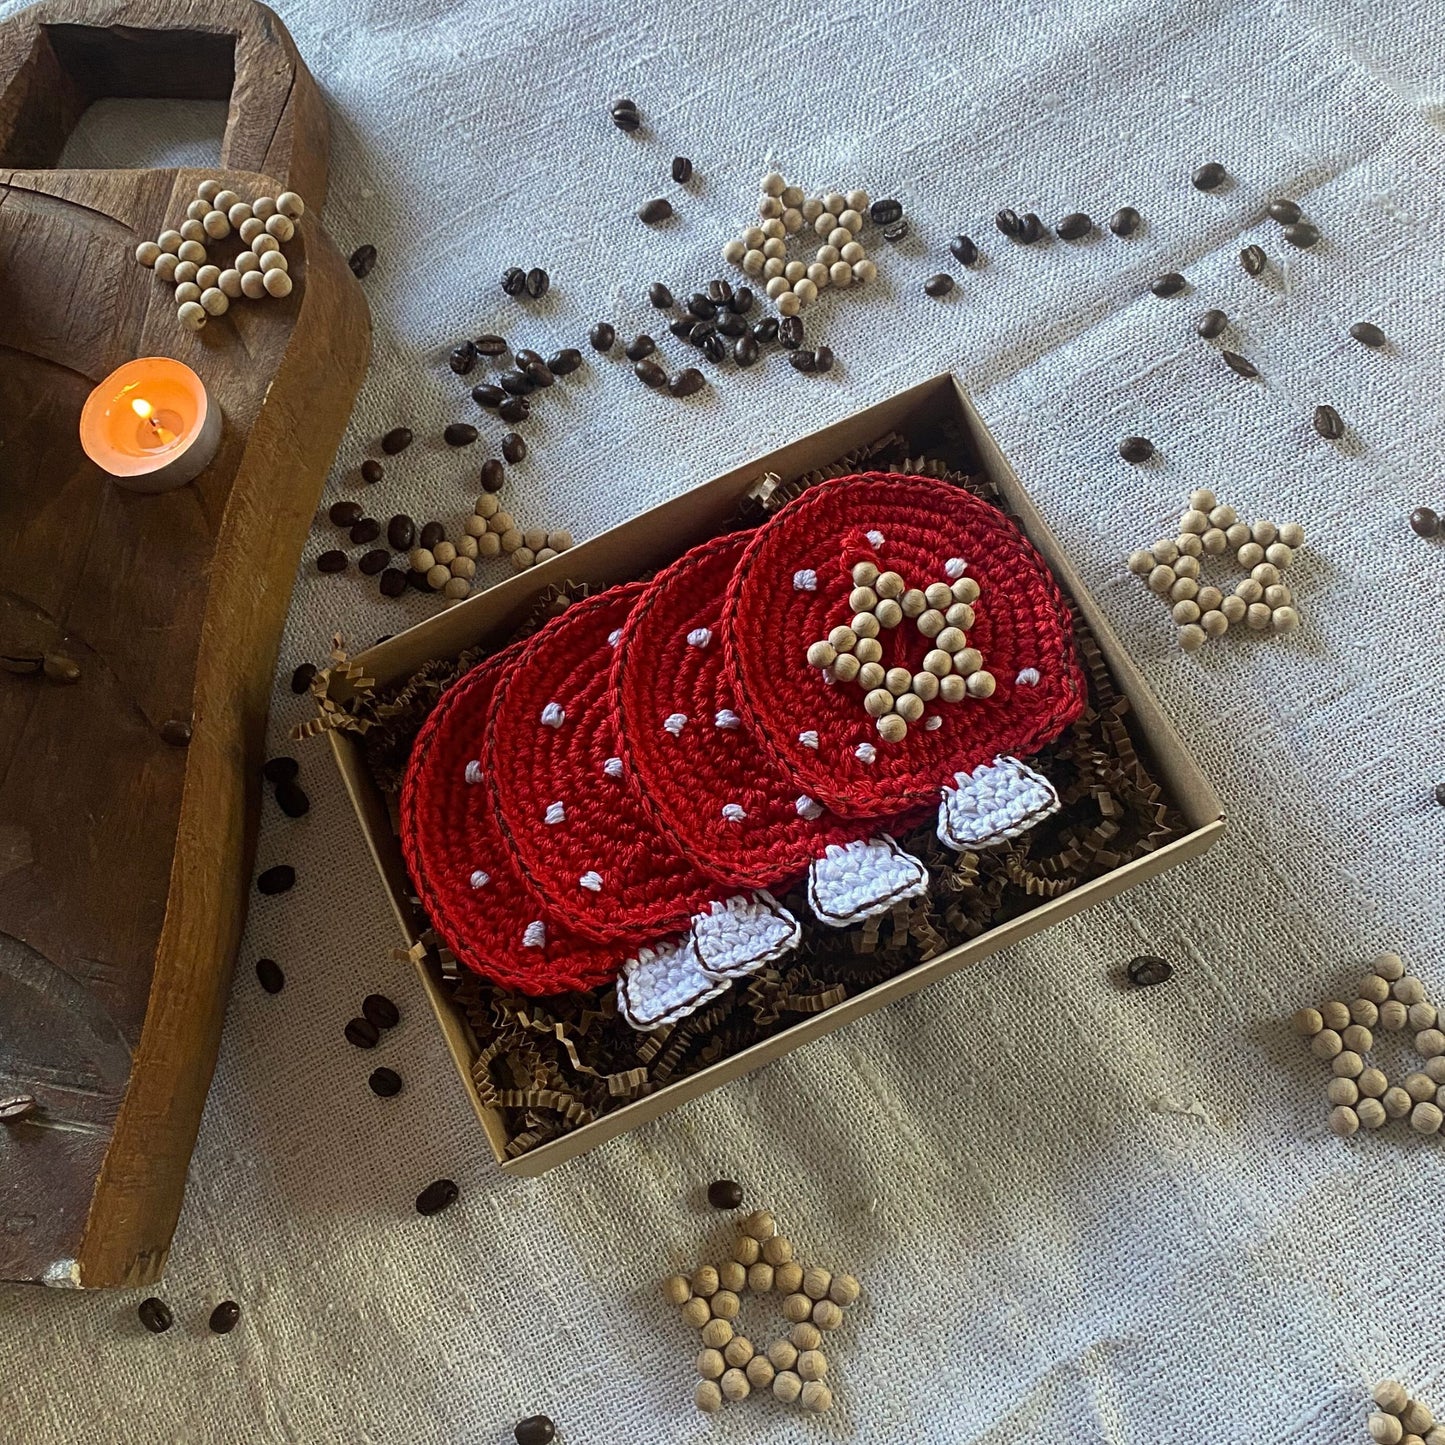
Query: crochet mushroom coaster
{"points": [[818, 709], [703, 776], [461, 866]]}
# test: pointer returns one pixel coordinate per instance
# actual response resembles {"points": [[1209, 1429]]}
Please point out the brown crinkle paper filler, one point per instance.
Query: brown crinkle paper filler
{"points": [[550, 1065]]}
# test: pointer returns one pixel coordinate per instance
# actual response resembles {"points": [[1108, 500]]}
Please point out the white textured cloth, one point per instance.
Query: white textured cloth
{"points": [[1078, 1213]]}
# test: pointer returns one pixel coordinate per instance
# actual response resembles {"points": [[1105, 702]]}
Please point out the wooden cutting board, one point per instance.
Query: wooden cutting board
{"points": [[125, 861]]}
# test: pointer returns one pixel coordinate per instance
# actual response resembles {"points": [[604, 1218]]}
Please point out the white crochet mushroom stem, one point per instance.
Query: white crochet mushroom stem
{"points": [[743, 934], [853, 881], [664, 983], [998, 800]]}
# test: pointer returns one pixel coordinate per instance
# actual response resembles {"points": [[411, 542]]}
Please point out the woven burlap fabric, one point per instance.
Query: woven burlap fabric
{"points": [[1079, 1214]]}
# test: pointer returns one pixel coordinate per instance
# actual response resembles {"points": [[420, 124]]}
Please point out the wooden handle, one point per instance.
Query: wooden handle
{"points": [[58, 57]]}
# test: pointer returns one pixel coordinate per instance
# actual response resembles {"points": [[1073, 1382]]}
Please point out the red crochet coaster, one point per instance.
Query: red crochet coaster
{"points": [[581, 838], [798, 647], [462, 867]]}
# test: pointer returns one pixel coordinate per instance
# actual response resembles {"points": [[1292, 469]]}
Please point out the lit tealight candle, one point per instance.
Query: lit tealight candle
{"points": [[151, 425]]}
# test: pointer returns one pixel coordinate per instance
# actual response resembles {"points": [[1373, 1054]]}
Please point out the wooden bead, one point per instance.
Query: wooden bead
{"points": [[250, 230], [797, 1307], [738, 1351], [1161, 579], [1202, 499], [842, 638], [166, 266], [732, 1276], [725, 1305], [951, 639], [864, 625], [1292, 535], [1214, 542], [846, 668], [1436, 1069], [1233, 610], [890, 585], [783, 1354], [1373, 1083], [1420, 1087], [746, 1250], [437, 577], [967, 661], [559, 540], [215, 301], [193, 231], [898, 680], [1308, 1022], [938, 595], [1347, 1064], [170, 242], [931, 622], [192, 315], [868, 649], [893, 728], [827, 1315], [695, 1312], [1342, 1091], [1389, 966], [676, 1290], [707, 1397], [1371, 1114], [734, 1385], [759, 1225], [888, 613], [777, 1250], [1391, 1396], [1326, 1044], [1265, 574], [788, 304], [1423, 1015], [909, 707], [1358, 1038], [816, 1282], [953, 688], [1417, 1417], [1193, 521], [277, 283], [545, 554], [844, 1290], [759, 1277], [1430, 1043], [420, 559], [147, 253], [1409, 990], [204, 276], [188, 291], [816, 1397], [710, 1364], [239, 214], [1385, 1429], [716, 1333], [788, 1278], [1374, 988], [1335, 1014], [878, 703], [489, 545], [253, 284], [924, 686], [870, 675], [812, 1365], [274, 261], [981, 684], [787, 1386], [759, 1372], [263, 207], [263, 245], [291, 205], [191, 251], [1185, 612], [705, 1281], [1426, 1118], [1364, 1011], [1393, 1016], [283, 228], [1258, 616], [1190, 544], [1344, 1121], [1397, 1102]]}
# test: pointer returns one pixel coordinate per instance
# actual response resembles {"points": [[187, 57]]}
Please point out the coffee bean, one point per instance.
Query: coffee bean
{"points": [[1240, 364], [491, 345], [659, 295], [14, 1107], [701, 306], [1440, 794], [1301, 234], [345, 513], [625, 116], [280, 879], [401, 532], [1074, 227], [415, 580], [393, 582], [1209, 177], [886, 211], [301, 678], [719, 292], [292, 800], [602, 335], [514, 447], [368, 529], [687, 382], [1125, 221], [654, 211], [1367, 333], [790, 332], [938, 285], [331, 561], [725, 1194], [385, 1083], [380, 1010], [1425, 522], [731, 325], [681, 170], [823, 359], [539, 373], [488, 395], [517, 383], [964, 251], [225, 1317], [514, 280], [565, 362], [363, 1033], [398, 439], [459, 434], [1146, 972], [515, 408], [682, 327], [1171, 283], [649, 373], [155, 1315], [1211, 324], [742, 301], [1329, 423], [525, 358], [268, 973], [535, 1430], [362, 259], [1253, 259], [431, 534], [494, 475], [280, 769], [1031, 229], [1008, 223], [59, 668], [745, 350], [1285, 212], [463, 358], [372, 471], [1136, 449], [538, 283], [766, 330], [640, 346], [897, 231], [438, 1195], [175, 732], [714, 347], [699, 331], [802, 360]]}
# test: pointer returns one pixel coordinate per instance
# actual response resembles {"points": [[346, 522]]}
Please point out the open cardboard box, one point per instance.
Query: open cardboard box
{"points": [[938, 408]]}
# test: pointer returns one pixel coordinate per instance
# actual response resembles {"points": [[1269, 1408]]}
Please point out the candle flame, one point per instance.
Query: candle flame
{"points": [[142, 408]]}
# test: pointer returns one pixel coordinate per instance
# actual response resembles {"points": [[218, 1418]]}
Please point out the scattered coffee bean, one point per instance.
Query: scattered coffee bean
{"points": [[654, 211], [366, 530], [687, 382], [731, 325], [345, 513], [1440, 794], [725, 1194], [385, 1083], [398, 439], [1425, 522], [649, 373], [1008, 223], [765, 331], [372, 471], [1240, 364], [1146, 972], [714, 346], [280, 879], [1031, 229], [884, 212], [698, 333], [491, 345], [535, 1430], [514, 409], [176, 732], [964, 250], [700, 304], [790, 332], [1136, 449], [380, 1010], [1367, 333], [602, 335], [1301, 234], [269, 975], [526, 357], [431, 534], [625, 116], [292, 800], [539, 373], [538, 283], [640, 346], [517, 383], [1253, 259], [1211, 324], [514, 447], [225, 1317], [802, 360], [682, 327], [745, 350], [301, 678], [280, 769], [1074, 227], [438, 1195], [897, 231], [14, 1107], [823, 359], [1171, 283], [1209, 177], [565, 362], [1285, 212], [416, 580], [401, 532], [463, 358], [938, 285], [494, 475], [155, 1315], [59, 668], [362, 259], [459, 434], [363, 1033], [659, 295], [719, 292], [742, 301], [488, 395], [331, 561], [1329, 423], [1125, 221], [514, 280], [681, 170], [393, 582]]}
